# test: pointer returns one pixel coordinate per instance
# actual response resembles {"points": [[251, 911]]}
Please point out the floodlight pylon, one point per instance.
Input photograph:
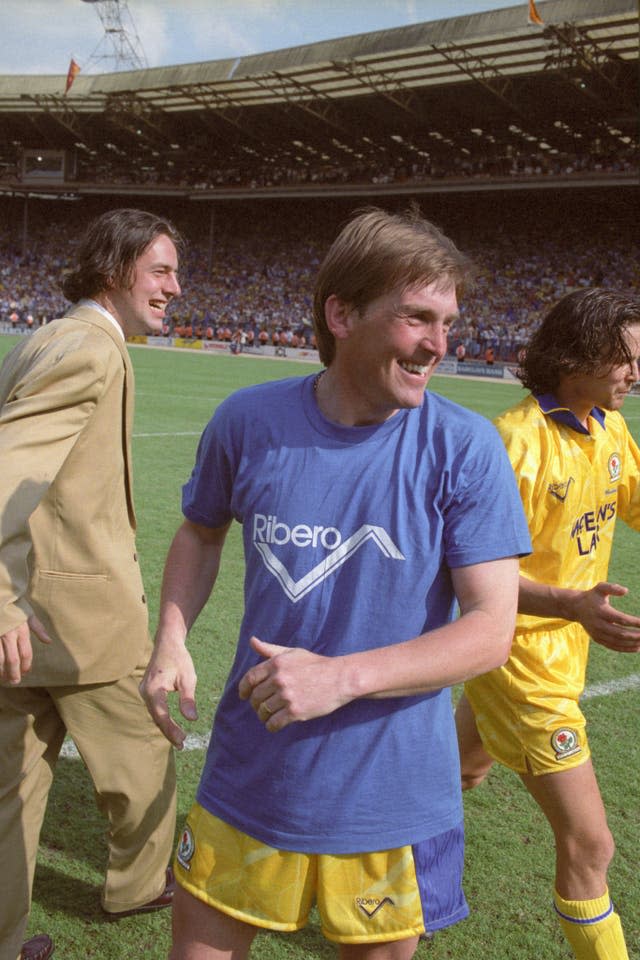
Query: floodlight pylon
{"points": [[120, 43]]}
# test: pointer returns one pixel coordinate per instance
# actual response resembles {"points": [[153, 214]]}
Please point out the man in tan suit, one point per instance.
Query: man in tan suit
{"points": [[74, 639]]}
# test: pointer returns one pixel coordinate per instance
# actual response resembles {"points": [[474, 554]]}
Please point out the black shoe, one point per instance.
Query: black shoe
{"points": [[164, 900], [38, 948]]}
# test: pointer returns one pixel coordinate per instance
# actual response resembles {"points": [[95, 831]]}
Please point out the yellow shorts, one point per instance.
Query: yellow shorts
{"points": [[527, 712], [361, 898]]}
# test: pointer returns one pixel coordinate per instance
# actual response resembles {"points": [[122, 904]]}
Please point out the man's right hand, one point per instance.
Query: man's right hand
{"points": [[170, 670], [16, 653]]}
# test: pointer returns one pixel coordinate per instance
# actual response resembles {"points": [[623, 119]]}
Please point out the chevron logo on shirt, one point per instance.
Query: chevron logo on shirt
{"points": [[561, 489], [268, 530]]}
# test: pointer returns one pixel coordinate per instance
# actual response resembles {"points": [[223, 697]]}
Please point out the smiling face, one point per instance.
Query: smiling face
{"points": [[141, 307], [607, 388], [386, 354]]}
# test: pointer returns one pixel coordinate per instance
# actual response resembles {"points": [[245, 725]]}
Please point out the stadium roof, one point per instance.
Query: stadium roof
{"points": [[437, 89]]}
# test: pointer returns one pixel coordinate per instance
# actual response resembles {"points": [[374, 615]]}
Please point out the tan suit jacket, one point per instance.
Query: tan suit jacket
{"points": [[67, 523]]}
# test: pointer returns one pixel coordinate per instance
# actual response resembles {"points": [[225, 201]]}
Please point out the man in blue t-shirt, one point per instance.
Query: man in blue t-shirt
{"points": [[369, 518]]}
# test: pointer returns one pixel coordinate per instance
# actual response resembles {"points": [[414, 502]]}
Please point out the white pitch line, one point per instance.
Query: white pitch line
{"points": [[197, 741], [194, 741], [185, 433], [609, 687], [205, 398]]}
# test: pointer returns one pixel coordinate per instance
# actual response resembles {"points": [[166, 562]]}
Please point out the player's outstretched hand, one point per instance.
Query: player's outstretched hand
{"points": [[16, 652], [170, 670], [292, 684], [610, 627]]}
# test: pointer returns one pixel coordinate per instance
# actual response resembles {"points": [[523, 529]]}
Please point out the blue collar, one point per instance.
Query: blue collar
{"points": [[550, 406]]}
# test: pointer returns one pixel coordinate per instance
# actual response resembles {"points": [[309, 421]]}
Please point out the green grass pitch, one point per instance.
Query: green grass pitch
{"points": [[509, 872]]}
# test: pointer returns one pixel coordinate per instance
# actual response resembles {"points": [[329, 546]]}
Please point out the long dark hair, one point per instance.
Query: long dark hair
{"points": [[109, 249], [583, 333]]}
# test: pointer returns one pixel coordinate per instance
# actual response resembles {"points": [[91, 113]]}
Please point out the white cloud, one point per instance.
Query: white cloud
{"points": [[205, 36], [151, 22], [40, 36], [34, 41]]}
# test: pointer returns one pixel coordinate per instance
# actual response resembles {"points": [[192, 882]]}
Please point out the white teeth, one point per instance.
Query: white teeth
{"points": [[414, 368]]}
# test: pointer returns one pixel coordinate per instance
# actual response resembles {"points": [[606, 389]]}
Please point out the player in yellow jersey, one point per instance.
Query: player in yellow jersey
{"points": [[578, 469]]}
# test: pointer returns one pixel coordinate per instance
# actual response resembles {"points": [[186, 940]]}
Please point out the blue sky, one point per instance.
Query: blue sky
{"points": [[40, 36]]}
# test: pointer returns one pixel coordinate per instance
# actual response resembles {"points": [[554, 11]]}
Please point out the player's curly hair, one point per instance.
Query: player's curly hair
{"points": [[583, 333], [108, 251], [377, 251]]}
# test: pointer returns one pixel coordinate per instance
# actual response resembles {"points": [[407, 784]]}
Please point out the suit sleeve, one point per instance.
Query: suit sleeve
{"points": [[52, 399]]}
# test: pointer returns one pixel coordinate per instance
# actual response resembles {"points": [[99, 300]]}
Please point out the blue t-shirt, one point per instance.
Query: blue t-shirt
{"points": [[349, 537]]}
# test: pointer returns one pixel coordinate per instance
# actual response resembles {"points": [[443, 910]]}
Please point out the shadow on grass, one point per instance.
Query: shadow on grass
{"points": [[73, 826], [56, 891]]}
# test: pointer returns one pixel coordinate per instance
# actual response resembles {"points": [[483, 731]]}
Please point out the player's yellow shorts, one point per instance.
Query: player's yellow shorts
{"points": [[361, 898], [527, 711]]}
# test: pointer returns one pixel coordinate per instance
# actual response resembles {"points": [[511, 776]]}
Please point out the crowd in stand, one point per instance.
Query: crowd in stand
{"points": [[354, 170], [254, 285], [413, 165], [420, 169]]}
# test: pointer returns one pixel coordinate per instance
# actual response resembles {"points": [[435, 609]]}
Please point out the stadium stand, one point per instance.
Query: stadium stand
{"points": [[520, 140], [473, 99]]}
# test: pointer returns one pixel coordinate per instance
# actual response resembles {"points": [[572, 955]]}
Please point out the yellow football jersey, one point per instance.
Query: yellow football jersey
{"points": [[573, 485]]}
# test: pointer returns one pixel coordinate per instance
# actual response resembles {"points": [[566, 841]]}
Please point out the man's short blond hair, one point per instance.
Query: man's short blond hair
{"points": [[378, 251]]}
